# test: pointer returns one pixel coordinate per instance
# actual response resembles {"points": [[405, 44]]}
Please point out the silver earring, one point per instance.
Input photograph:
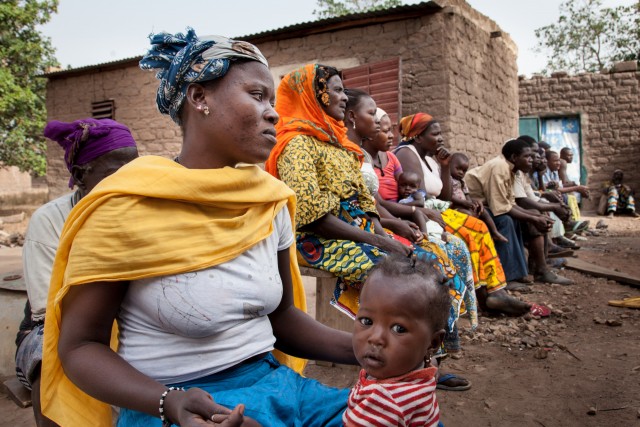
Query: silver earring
{"points": [[206, 110], [354, 124], [427, 360]]}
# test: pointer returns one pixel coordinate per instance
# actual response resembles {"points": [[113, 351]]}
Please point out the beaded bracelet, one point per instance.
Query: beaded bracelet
{"points": [[163, 418]]}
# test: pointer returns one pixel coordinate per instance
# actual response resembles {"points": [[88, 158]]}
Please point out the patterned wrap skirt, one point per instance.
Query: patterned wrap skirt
{"points": [[487, 268], [351, 262]]}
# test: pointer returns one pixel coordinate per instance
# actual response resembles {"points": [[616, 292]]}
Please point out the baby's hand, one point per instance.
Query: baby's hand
{"points": [[235, 419], [418, 197]]}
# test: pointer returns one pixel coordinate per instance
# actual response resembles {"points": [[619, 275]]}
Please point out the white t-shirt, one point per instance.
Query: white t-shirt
{"points": [[186, 326], [39, 250], [430, 177]]}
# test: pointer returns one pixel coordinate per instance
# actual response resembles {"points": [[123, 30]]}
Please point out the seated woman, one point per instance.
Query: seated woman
{"points": [[200, 301], [364, 127], [422, 139], [338, 225], [619, 196]]}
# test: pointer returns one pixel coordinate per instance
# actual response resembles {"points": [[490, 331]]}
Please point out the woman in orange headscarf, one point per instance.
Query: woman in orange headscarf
{"points": [[338, 227], [421, 142]]}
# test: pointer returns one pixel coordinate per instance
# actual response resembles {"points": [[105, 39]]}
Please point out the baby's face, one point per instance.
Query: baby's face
{"points": [[459, 168], [407, 186], [391, 335]]}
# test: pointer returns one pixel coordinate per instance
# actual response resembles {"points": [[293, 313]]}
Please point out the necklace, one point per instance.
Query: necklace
{"points": [[424, 160], [379, 165]]}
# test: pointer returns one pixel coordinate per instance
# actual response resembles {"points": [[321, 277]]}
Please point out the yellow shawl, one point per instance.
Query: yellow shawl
{"points": [[155, 217]]}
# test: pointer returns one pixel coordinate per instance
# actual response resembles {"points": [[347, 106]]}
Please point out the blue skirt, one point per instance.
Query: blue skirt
{"points": [[273, 394]]}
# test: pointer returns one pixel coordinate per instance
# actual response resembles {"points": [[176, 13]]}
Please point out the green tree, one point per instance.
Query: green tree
{"points": [[588, 37], [24, 53], [332, 8]]}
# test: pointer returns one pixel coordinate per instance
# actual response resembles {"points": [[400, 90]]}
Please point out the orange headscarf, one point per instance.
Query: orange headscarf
{"points": [[301, 114], [413, 125]]}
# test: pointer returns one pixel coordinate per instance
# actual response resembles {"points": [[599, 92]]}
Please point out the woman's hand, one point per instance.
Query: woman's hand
{"points": [[406, 229], [443, 156], [387, 244], [195, 407], [434, 215]]}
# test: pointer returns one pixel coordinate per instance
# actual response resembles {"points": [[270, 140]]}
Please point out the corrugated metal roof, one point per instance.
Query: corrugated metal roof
{"points": [[293, 31], [351, 20]]}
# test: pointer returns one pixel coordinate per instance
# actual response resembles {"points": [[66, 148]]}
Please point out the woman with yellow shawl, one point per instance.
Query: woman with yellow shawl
{"points": [[193, 258]]}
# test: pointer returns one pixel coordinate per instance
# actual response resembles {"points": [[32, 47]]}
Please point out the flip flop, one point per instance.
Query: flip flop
{"points": [[627, 302], [446, 377], [540, 310]]}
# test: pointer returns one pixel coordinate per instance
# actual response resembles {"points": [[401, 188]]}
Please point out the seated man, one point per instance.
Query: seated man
{"points": [[493, 183], [527, 199], [94, 149], [530, 189], [619, 196], [552, 181]]}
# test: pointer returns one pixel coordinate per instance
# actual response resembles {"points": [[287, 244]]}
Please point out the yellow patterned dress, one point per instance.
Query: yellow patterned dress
{"points": [[327, 179]]}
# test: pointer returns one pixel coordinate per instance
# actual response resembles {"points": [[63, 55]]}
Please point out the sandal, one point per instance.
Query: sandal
{"points": [[540, 310], [446, 377], [633, 302]]}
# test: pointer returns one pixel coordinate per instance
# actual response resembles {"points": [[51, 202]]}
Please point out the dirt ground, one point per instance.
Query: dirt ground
{"points": [[536, 372]]}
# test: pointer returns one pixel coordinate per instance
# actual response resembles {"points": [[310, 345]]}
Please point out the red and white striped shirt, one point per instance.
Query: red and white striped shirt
{"points": [[408, 400]]}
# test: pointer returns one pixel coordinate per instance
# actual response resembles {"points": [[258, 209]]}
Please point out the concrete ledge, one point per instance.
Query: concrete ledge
{"points": [[325, 313], [17, 392]]}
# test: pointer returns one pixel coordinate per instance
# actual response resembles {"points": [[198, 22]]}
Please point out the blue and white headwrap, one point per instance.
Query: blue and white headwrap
{"points": [[184, 59]]}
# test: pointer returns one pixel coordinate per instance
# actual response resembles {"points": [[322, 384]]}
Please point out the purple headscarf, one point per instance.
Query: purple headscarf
{"points": [[87, 139]]}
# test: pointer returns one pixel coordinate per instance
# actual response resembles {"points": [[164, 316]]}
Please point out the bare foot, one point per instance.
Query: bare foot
{"points": [[504, 303], [497, 237]]}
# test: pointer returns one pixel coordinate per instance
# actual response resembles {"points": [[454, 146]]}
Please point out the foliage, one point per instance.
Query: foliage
{"points": [[590, 38], [333, 8], [24, 53]]}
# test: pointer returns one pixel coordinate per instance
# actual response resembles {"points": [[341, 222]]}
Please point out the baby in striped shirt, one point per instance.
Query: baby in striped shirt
{"points": [[401, 322]]}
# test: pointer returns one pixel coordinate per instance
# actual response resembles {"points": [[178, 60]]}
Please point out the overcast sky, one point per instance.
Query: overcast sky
{"points": [[88, 32]]}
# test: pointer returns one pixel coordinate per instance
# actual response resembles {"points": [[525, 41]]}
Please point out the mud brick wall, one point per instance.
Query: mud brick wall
{"points": [[481, 74], [608, 105], [451, 68]]}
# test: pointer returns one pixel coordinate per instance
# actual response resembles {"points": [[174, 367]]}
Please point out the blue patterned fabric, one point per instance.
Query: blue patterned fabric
{"points": [[273, 394], [183, 59], [352, 261]]}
